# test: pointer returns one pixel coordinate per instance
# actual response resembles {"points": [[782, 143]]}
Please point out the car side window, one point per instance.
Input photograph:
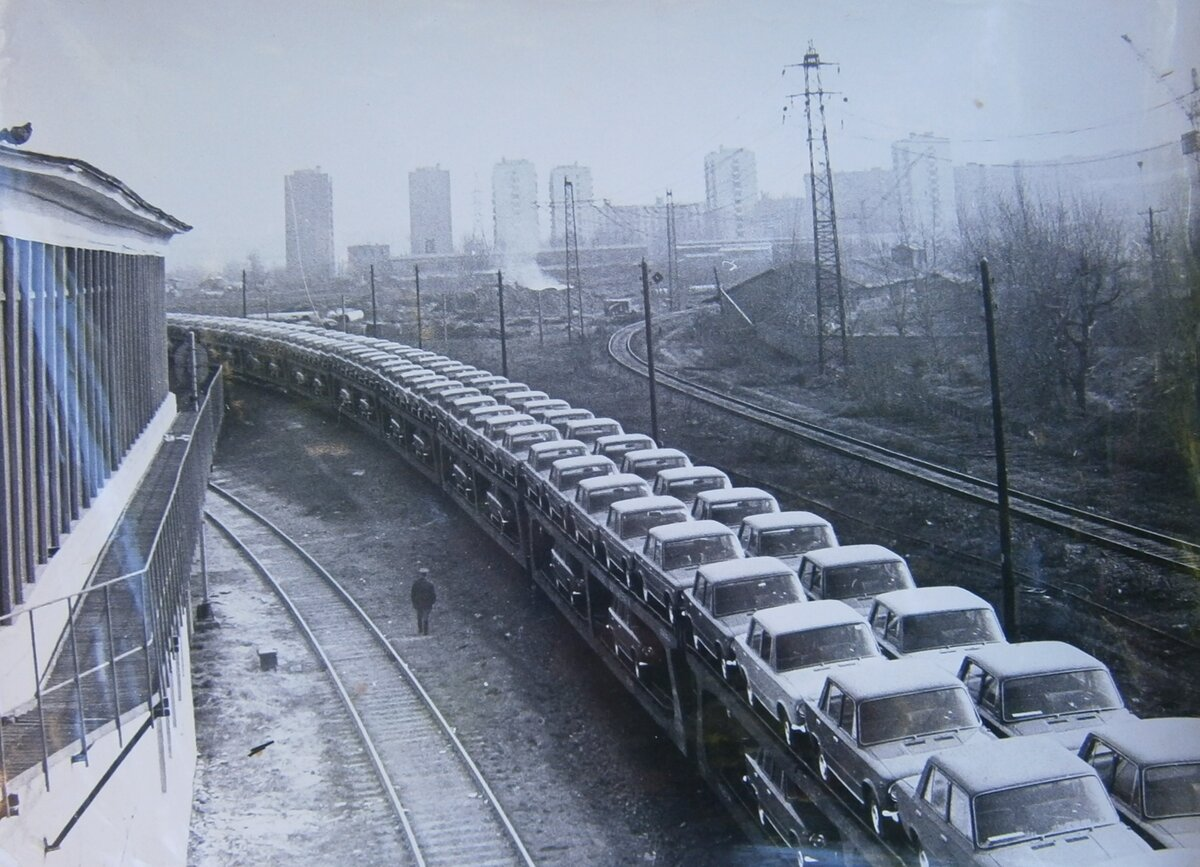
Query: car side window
{"points": [[806, 575], [754, 638], [937, 792], [972, 677], [879, 619], [892, 633], [960, 812], [847, 717], [1101, 757], [833, 702], [766, 646], [1124, 786], [989, 695], [745, 535]]}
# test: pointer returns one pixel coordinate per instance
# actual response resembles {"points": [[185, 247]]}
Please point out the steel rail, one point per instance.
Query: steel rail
{"points": [[1172, 551], [444, 726]]}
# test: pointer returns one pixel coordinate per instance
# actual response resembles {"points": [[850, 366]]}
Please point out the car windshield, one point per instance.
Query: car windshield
{"points": [[605, 497], [738, 597], [950, 629], [865, 579], [791, 540], [640, 523], [732, 513], [1172, 790], [822, 646], [689, 553], [570, 478], [915, 715], [1055, 807], [1058, 693]]}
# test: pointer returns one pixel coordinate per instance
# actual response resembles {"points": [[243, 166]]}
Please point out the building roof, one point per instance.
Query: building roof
{"points": [[745, 568], [780, 520], [850, 554], [802, 616], [1011, 762], [1033, 657], [1161, 741], [877, 678], [925, 600]]}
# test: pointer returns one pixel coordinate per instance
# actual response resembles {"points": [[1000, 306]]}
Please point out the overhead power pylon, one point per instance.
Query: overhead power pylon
{"points": [[571, 238], [827, 262]]}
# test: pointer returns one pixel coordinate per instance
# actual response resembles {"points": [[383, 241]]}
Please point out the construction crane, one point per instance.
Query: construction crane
{"points": [[1189, 104]]}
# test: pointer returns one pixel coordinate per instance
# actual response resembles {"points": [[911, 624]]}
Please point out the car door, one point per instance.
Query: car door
{"points": [[842, 750]]}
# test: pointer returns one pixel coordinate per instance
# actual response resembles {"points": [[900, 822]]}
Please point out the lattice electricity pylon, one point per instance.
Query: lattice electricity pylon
{"points": [[571, 237], [827, 261], [672, 261]]}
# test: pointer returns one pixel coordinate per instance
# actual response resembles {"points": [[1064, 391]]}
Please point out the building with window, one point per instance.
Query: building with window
{"points": [[580, 178], [308, 218], [515, 208], [429, 211], [731, 192]]}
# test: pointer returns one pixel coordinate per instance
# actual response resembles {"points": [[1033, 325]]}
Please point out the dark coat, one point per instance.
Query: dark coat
{"points": [[423, 594]]}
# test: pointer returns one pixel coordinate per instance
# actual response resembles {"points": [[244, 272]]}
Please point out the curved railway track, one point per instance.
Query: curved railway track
{"points": [[449, 814], [1142, 543]]}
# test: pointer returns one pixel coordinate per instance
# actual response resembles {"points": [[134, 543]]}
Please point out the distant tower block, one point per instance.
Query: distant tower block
{"points": [[514, 204], [308, 219], [429, 211]]}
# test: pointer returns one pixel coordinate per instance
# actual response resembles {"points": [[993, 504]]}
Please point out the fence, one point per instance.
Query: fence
{"points": [[119, 649]]}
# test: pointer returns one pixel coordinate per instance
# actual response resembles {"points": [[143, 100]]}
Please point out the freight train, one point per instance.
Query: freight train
{"points": [[818, 688]]}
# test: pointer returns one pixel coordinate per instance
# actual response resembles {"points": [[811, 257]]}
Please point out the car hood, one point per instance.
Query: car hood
{"points": [[1179, 833], [1069, 729], [804, 684], [901, 759], [1072, 848]]}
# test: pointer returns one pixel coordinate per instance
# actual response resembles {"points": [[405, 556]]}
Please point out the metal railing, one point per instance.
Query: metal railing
{"points": [[119, 649]]}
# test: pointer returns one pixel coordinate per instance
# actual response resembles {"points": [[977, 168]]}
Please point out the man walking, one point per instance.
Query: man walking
{"points": [[423, 597]]}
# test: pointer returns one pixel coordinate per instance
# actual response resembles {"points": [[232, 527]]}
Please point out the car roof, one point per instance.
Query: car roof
{"points": [[1155, 741], [586, 422], [1032, 657], [530, 427], [689, 530], [672, 474], [849, 554], [1009, 762], [725, 495], [777, 520], [924, 600], [747, 567], [608, 439], [637, 504], [614, 481], [572, 463], [877, 678], [555, 446], [801, 616], [652, 453]]}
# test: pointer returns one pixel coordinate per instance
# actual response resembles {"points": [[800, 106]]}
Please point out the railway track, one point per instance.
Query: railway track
{"points": [[449, 814], [1111, 533]]}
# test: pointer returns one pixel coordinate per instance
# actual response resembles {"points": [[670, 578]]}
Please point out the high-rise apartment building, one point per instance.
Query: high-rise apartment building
{"points": [[731, 191], [514, 205], [308, 217], [925, 186], [429, 211], [585, 215]]}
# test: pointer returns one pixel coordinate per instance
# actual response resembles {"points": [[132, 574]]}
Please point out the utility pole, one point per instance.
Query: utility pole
{"points": [[1008, 583], [541, 337], [374, 310], [827, 262], [671, 263], [650, 352], [503, 336], [243, 293], [417, 277], [571, 240]]}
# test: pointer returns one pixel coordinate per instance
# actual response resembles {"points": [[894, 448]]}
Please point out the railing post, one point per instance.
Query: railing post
{"points": [[112, 664], [37, 691], [75, 677]]}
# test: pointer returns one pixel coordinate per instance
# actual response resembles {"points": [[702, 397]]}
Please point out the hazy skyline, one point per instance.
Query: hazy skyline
{"points": [[204, 108]]}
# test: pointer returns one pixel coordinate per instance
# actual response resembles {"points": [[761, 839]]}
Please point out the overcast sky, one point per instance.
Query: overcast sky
{"points": [[203, 107]]}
